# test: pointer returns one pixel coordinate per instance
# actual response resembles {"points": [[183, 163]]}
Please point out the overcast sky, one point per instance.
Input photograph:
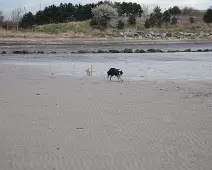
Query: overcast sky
{"points": [[34, 5]]}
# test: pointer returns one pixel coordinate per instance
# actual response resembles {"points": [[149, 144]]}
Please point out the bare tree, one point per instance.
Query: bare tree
{"points": [[17, 16], [186, 11], [147, 9]]}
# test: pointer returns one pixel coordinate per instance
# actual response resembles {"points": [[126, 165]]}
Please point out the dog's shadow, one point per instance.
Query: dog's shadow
{"points": [[114, 81]]}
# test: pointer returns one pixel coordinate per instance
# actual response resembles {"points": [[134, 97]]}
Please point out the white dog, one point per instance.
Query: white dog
{"points": [[89, 71]]}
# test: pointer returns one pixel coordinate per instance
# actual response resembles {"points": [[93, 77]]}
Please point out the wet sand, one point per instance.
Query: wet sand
{"points": [[52, 121], [155, 66]]}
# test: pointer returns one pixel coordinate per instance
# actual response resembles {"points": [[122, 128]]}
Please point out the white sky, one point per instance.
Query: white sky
{"points": [[34, 5]]}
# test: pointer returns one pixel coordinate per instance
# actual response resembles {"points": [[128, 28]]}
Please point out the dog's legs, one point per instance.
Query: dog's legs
{"points": [[110, 77], [119, 78]]}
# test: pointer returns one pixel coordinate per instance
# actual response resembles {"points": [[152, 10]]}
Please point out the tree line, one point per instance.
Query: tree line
{"points": [[70, 12], [169, 16], [103, 14]]}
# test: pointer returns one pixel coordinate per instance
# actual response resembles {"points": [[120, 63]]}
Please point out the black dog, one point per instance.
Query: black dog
{"points": [[114, 72]]}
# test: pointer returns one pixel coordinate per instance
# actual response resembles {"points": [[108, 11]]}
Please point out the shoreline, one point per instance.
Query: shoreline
{"points": [[135, 66]]}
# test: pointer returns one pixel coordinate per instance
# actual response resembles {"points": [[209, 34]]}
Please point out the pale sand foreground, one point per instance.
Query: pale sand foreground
{"points": [[50, 122]]}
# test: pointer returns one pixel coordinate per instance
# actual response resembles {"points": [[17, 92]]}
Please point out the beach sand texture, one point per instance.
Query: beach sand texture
{"points": [[51, 122]]}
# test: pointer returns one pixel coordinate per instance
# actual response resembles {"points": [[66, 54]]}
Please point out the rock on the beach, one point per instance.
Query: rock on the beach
{"points": [[187, 50], [202, 34], [3, 52], [128, 50], [83, 51], [206, 50], [131, 34], [25, 52], [199, 50], [151, 50], [113, 51], [169, 34], [40, 52], [159, 51], [163, 35], [142, 51], [17, 52], [21, 52], [102, 51], [154, 50], [139, 51]]}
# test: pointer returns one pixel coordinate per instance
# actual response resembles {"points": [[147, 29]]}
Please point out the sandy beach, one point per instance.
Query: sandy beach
{"points": [[59, 122]]}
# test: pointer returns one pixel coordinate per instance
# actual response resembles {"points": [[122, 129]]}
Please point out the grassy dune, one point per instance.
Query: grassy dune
{"points": [[84, 30]]}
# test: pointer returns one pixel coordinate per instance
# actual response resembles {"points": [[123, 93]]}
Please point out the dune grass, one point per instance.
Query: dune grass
{"points": [[72, 27], [84, 30], [22, 34]]}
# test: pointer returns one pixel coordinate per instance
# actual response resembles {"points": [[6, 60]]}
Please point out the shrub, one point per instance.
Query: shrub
{"points": [[147, 24], [120, 24], [208, 17], [175, 10], [104, 13], [174, 20], [191, 20], [156, 17], [132, 20], [166, 17], [93, 22]]}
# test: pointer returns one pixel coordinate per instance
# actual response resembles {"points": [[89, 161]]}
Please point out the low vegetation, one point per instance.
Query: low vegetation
{"points": [[109, 19]]}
